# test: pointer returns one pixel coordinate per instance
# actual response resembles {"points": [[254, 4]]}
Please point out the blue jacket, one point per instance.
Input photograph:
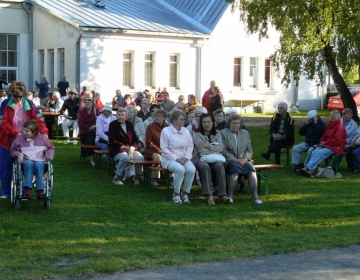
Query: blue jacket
{"points": [[44, 88], [313, 132]]}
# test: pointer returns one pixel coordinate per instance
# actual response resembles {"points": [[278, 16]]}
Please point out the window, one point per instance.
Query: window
{"points": [[252, 73], [174, 71], [8, 57], [51, 77], [237, 72], [42, 62], [149, 70], [61, 63], [268, 73], [127, 69]]}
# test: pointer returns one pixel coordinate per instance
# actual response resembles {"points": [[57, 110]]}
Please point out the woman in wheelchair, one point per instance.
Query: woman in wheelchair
{"points": [[32, 150]]}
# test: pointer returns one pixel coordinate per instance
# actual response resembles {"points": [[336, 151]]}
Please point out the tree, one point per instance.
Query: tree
{"points": [[313, 33]]}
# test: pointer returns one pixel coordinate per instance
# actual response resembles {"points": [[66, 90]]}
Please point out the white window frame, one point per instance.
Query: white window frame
{"points": [[149, 82], [269, 69], [253, 68], [61, 63], [8, 68], [240, 74], [51, 76], [42, 62], [174, 82], [130, 72]]}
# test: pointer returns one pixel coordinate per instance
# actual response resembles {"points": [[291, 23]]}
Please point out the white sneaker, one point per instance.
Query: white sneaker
{"points": [[75, 142], [154, 183], [231, 200], [177, 199], [3, 197], [185, 199], [257, 201], [92, 162], [67, 141]]}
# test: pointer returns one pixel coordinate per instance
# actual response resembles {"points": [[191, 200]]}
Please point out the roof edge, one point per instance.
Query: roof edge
{"points": [[185, 17]]}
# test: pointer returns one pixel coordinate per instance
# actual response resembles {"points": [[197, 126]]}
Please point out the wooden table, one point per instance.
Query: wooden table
{"points": [[266, 168]]}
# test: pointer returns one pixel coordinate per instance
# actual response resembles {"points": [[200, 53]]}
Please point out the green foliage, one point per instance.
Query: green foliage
{"points": [[96, 227], [351, 76], [310, 32]]}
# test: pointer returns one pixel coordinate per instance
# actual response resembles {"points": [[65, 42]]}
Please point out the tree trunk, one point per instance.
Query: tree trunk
{"points": [[340, 84]]}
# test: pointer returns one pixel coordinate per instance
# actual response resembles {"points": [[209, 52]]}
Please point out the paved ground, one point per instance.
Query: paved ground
{"points": [[338, 263]]}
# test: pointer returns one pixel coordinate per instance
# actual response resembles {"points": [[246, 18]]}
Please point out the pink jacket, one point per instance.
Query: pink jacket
{"points": [[37, 148]]}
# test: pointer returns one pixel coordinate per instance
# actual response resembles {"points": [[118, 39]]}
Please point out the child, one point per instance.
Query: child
{"points": [[32, 150], [220, 119]]}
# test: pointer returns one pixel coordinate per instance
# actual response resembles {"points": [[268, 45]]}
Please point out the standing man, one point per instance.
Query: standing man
{"points": [[118, 100], [63, 86], [44, 87], [281, 131], [208, 96]]}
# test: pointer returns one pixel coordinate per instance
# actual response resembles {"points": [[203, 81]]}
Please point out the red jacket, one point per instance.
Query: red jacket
{"points": [[86, 120], [206, 99], [7, 131], [334, 136], [118, 137]]}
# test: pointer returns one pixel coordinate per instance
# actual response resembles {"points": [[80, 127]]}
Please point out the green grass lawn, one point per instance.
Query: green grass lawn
{"points": [[96, 227]]}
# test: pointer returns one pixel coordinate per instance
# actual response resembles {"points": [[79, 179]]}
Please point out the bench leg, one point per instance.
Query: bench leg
{"points": [[265, 177]]}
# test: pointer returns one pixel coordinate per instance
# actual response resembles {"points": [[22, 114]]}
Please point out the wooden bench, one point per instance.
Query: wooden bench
{"points": [[266, 168], [88, 146], [334, 158], [286, 151], [146, 169], [162, 169]]}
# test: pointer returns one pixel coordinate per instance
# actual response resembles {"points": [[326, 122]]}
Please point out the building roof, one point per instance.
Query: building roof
{"points": [[191, 17]]}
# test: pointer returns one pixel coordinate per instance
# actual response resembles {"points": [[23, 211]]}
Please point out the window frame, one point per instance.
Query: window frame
{"points": [[151, 61], [130, 71], [253, 68], [5, 70], [177, 67], [240, 72]]}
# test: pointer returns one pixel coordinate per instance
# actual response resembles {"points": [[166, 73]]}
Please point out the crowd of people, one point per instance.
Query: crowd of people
{"points": [[191, 140]]}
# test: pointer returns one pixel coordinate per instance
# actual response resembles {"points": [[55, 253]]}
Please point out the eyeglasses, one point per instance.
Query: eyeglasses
{"points": [[181, 98], [18, 96]]}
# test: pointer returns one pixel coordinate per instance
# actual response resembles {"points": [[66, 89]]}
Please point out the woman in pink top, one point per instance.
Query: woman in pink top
{"points": [[32, 149], [176, 149]]}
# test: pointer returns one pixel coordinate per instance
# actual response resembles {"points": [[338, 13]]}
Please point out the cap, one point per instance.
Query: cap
{"points": [[230, 111], [201, 110], [107, 107], [311, 114]]}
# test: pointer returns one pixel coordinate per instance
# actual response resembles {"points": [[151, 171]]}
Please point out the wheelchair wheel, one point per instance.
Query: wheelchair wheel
{"points": [[17, 203], [16, 182], [48, 181]]}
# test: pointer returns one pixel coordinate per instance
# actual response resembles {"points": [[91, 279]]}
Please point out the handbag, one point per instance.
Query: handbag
{"points": [[212, 158], [326, 172], [129, 171]]}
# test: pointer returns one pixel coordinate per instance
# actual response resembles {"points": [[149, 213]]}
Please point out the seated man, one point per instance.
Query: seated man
{"points": [[312, 130], [72, 106], [332, 141], [281, 131]]}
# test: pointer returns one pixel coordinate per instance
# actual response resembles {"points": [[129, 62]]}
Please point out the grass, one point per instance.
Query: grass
{"points": [[96, 227]]}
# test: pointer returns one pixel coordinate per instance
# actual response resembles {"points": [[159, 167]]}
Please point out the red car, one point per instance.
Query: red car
{"points": [[335, 102]]}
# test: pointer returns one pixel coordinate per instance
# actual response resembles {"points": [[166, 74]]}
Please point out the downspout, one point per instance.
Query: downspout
{"points": [[77, 60], [31, 60], [198, 89]]}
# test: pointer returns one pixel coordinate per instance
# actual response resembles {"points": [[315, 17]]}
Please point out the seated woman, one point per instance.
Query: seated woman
{"points": [[32, 150], [176, 146], [192, 104], [102, 128], [152, 147], [87, 127], [122, 145], [332, 141], [138, 126], [128, 101], [208, 140], [353, 153], [238, 153]]}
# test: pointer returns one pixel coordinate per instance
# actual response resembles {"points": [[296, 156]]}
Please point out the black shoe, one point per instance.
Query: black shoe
{"points": [[242, 189], [265, 156]]}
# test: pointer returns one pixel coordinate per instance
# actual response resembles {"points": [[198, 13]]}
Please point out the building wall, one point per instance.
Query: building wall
{"points": [[52, 34], [101, 65], [10, 10]]}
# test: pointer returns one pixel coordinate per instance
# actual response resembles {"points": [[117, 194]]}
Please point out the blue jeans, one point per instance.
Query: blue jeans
{"points": [[6, 162], [317, 156], [32, 168], [353, 158]]}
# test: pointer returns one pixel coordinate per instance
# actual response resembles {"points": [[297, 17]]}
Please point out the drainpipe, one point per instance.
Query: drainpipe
{"points": [[30, 54], [77, 60]]}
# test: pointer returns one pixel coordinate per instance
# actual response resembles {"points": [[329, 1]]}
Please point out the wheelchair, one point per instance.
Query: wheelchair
{"points": [[17, 179]]}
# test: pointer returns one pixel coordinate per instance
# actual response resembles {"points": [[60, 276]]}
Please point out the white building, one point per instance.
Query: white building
{"points": [[134, 45]]}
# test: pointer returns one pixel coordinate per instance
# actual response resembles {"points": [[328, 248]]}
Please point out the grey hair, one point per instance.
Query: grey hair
{"points": [[346, 111], [132, 108], [123, 110], [335, 114], [233, 118], [282, 103], [175, 114]]}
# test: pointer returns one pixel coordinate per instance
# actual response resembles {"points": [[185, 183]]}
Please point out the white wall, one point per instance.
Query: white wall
{"points": [[102, 63]]}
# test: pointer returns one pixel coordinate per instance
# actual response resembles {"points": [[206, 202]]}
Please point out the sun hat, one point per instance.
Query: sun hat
{"points": [[107, 107], [201, 110], [311, 114]]}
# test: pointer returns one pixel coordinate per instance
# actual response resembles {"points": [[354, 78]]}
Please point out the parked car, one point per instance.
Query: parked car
{"points": [[335, 102]]}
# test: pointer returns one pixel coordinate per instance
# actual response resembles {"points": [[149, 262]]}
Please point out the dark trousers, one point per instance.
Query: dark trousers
{"points": [[275, 148]]}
